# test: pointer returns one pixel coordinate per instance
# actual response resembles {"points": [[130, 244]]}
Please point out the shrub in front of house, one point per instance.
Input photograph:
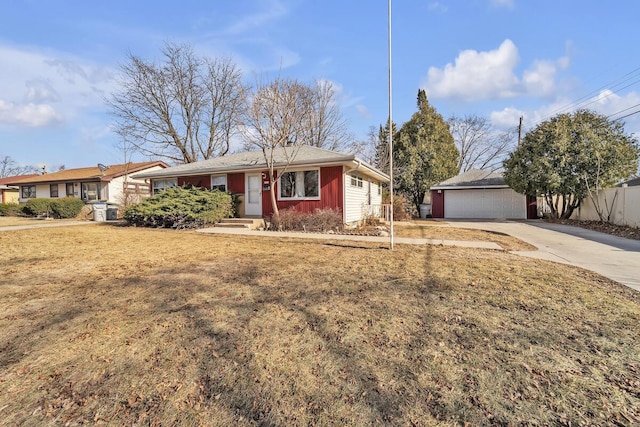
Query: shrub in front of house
{"points": [[181, 208], [66, 207], [319, 220], [37, 207], [10, 209]]}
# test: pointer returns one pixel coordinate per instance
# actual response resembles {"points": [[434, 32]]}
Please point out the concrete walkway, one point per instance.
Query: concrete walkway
{"points": [[353, 238], [614, 257], [46, 224]]}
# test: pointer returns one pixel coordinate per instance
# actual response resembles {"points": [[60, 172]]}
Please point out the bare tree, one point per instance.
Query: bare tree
{"points": [[276, 121], [184, 109], [480, 145], [327, 126], [9, 167]]}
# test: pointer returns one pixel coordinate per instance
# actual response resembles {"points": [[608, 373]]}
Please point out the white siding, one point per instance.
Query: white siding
{"points": [[357, 200]]}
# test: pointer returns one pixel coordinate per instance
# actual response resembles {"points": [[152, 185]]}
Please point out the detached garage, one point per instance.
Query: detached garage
{"points": [[479, 194]]}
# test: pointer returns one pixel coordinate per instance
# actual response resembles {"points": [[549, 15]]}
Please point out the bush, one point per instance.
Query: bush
{"points": [[319, 220], [402, 209], [181, 208], [37, 207], [67, 207], [10, 209]]}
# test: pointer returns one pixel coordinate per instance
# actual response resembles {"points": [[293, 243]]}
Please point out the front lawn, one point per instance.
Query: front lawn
{"points": [[122, 326]]}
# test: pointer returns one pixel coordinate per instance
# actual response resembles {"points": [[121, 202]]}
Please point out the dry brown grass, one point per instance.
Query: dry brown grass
{"points": [[9, 221], [444, 231], [113, 326]]}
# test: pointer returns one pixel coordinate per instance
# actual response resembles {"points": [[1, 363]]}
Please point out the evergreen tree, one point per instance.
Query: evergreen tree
{"points": [[425, 152]]}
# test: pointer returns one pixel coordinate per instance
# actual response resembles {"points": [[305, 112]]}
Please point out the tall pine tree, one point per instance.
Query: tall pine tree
{"points": [[425, 152]]}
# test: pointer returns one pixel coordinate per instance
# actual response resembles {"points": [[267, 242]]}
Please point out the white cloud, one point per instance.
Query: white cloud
{"points": [[274, 10], [363, 111], [491, 75], [509, 4], [605, 102], [30, 115], [507, 118], [476, 75], [540, 79], [43, 88], [438, 7]]}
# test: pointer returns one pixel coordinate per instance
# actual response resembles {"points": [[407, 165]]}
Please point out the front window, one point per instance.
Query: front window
{"points": [[90, 191], [53, 190], [356, 181], [159, 185], [219, 182], [300, 185], [70, 189], [28, 191]]}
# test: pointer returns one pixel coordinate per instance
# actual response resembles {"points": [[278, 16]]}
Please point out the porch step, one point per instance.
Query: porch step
{"points": [[250, 223]]}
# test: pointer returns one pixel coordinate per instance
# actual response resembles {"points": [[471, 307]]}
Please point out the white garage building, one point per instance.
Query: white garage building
{"points": [[479, 194]]}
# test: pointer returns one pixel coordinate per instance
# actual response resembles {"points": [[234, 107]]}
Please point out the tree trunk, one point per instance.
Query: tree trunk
{"points": [[275, 218]]}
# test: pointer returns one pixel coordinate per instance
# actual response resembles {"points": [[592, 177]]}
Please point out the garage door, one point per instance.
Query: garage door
{"points": [[497, 203]]}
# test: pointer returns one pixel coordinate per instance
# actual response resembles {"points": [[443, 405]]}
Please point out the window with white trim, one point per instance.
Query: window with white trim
{"points": [[299, 185], [356, 181], [160, 185], [219, 182], [90, 191], [28, 191]]}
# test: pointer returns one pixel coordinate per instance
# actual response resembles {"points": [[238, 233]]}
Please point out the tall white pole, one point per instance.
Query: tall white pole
{"points": [[390, 141]]}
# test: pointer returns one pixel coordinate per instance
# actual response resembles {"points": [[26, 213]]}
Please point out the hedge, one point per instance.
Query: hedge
{"points": [[181, 208], [10, 209], [67, 207]]}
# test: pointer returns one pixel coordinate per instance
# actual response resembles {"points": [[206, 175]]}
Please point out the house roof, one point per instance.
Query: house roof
{"points": [[7, 179], [474, 178], [306, 155], [633, 182], [92, 173]]}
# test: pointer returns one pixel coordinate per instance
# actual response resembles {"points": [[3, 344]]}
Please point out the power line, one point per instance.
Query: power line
{"points": [[622, 111], [582, 101], [630, 114]]}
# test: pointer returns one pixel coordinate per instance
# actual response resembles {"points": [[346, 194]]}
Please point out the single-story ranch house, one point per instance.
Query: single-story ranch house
{"points": [[480, 194], [92, 184], [314, 179], [11, 193]]}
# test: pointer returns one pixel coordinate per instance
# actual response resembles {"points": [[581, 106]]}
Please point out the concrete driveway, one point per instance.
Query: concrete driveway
{"points": [[614, 257]]}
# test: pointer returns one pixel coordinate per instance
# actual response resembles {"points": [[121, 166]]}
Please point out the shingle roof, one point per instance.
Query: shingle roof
{"points": [[474, 178], [633, 182], [89, 173], [305, 155], [7, 179]]}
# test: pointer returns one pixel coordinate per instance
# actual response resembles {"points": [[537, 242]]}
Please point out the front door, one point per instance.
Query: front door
{"points": [[253, 195]]}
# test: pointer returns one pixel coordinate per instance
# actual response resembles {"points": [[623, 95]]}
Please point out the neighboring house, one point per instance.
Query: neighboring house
{"points": [[314, 179], [11, 193], [92, 184], [633, 182], [480, 194]]}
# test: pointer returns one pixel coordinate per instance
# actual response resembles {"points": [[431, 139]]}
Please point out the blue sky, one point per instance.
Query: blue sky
{"points": [[495, 58]]}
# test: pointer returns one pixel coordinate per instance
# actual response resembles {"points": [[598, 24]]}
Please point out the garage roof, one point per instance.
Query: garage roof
{"points": [[474, 178]]}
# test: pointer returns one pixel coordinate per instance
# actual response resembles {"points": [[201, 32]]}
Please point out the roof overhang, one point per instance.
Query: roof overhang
{"points": [[470, 187], [352, 163]]}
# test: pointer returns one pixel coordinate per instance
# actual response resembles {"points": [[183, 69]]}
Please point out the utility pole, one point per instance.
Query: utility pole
{"points": [[390, 142], [520, 131]]}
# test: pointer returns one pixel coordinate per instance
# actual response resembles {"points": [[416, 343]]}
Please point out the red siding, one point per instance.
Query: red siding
{"points": [[331, 194], [437, 204], [235, 182], [532, 207], [203, 181]]}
